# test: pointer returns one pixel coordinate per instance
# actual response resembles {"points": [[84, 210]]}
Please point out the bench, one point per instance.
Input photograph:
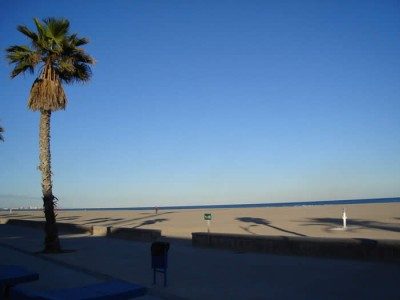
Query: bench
{"points": [[11, 275], [114, 289]]}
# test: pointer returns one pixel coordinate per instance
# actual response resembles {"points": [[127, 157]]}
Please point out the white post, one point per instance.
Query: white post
{"points": [[344, 217], [208, 226]]}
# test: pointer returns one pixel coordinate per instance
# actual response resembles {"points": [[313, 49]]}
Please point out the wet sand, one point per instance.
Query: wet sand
{"points": [[374, 221]]}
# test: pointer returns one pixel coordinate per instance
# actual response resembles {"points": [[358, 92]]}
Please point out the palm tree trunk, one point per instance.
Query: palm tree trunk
{"points": [[51, 242]]}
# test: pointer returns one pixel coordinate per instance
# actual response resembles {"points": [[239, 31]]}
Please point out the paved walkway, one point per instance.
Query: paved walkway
{"points": [[197, 273]]}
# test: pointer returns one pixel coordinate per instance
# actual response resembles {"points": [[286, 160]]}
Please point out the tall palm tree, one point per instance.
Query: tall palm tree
{"points": [[60, 59]]}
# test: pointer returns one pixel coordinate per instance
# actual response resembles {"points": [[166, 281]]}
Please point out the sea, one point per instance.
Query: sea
{"points": [[250, 205]]}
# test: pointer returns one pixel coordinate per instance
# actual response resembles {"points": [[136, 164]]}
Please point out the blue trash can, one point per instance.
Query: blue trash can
{"points": [[159, 259]]}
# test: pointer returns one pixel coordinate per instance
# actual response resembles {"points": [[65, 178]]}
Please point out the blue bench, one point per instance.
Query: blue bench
{"points": [[11, 275], [114, 289]]}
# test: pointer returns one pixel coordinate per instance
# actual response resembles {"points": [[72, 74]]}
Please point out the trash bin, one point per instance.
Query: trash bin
{"points": [[159, 259]]}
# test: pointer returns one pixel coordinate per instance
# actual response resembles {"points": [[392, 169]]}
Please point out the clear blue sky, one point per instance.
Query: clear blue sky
{"points": [[212, 102]]}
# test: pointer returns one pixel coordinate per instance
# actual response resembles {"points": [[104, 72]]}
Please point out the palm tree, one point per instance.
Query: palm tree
{"points": [[60, 59]]}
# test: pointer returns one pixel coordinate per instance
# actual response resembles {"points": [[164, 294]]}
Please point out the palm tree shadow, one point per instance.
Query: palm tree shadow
{"points": [[126, 222], [102, 220], [247, 228], [71, 218], [151, 222], [264, 222], [7, 214]]}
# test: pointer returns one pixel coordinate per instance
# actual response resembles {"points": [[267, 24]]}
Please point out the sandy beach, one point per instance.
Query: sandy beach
{"points": [[375, 221], [212, 273]]}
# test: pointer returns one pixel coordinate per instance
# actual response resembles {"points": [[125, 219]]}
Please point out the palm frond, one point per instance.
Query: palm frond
{"points": [[23, 58], [77, 42], [26, 31], [74, 66], [49, 37], [81, 73], [40, 28], [66, 65], [22, 68], [42, 41], [56, 33], [16, 52], [80, 55], [56, 29]]}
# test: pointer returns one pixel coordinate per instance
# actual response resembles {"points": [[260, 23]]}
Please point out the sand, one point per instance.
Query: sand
{"points": [[374, 221]]}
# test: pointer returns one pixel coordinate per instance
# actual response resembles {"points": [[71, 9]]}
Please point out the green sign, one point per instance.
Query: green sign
{"points": [[207, 217]]}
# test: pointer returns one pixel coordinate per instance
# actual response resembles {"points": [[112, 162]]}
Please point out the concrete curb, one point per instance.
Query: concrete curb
{"points": [[388, 250], [67, 227]]}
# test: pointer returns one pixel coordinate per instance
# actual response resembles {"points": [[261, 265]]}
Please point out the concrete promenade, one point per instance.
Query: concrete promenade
{"points": [[197, 273]]}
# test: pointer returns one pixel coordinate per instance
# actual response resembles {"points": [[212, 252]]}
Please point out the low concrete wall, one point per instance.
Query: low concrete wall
{"points": [[135, 233], [100, 230], [308, 246], [127, 233], [27, 223], [117, 232], [3, 220]]}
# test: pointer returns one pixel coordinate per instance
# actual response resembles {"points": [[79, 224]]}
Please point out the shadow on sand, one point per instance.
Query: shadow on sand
{"points": [[12, 215], [101, 220], [127, 221], [150, 222], [394, 227], [259, 221], [68, 218], [28, 217]]}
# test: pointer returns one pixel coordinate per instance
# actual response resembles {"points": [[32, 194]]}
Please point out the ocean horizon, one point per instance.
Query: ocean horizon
{"points": [[244, 205]]}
